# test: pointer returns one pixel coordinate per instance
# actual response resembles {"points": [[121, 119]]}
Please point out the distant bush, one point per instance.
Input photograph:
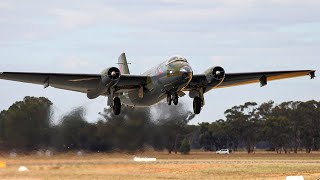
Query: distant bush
{"points": [[185, 147]]}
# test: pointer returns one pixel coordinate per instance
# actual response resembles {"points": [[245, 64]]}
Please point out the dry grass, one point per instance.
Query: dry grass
{"points": [[197, 165]]}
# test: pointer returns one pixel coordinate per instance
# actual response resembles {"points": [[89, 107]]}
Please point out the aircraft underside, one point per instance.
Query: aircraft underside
{"points": [[170, 80]]}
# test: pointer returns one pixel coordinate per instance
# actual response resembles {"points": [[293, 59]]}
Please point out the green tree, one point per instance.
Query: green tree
{"points": [[244, 126], [206, 137], [277, 132], [296, 124], [101, 138], [185, 147], [26, 124], [265, 110], [2, 118], [310, 116], [129, 131], [73, 131]]}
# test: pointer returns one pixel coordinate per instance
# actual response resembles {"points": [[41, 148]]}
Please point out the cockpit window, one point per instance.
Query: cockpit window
{"points": [[176, 58]]}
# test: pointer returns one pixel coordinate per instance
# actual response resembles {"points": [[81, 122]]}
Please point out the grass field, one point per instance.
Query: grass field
{"points": [[197, 165]]}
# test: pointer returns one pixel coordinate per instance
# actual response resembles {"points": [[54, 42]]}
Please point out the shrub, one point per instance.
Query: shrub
{"points": [[185, 147]]}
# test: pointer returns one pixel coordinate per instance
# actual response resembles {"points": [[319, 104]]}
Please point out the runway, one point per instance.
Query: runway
{"points": [[167, 162], [198, 165]]}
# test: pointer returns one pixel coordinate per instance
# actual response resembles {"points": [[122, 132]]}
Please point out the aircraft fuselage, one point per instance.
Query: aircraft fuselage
{"points": [[166, 78]]}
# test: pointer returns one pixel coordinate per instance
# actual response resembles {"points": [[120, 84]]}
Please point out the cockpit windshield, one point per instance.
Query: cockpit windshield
{"points": [[176, 58]]}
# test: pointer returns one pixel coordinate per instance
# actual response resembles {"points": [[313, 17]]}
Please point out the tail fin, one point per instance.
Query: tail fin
{"points": [[123, 64]]}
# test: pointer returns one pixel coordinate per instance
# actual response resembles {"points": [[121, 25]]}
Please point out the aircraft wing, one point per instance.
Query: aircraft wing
{"points": [[73, 82], [238, 79]]}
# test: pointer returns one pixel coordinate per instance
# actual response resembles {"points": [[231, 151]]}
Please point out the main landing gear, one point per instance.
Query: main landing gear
{"points": [[197, 102], [172, 98], [175, 99], [197, 105], [169, 99], [116, 106]]}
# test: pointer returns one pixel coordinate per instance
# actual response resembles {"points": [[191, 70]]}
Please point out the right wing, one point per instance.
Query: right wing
{"points": [[74, 82]]}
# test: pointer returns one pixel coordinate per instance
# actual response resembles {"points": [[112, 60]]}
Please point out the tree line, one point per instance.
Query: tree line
{"points": [[27, 126], [289, 127]]}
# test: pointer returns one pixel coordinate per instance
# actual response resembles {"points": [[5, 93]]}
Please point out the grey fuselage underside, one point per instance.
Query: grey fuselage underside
{"points": [[161, 82]]}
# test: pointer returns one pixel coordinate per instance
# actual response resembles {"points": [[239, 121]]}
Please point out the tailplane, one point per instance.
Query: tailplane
{"points": [[123, 64]]}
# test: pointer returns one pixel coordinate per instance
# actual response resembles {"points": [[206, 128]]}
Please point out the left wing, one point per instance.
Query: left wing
{"points": [[237, 79], [73, 82]]}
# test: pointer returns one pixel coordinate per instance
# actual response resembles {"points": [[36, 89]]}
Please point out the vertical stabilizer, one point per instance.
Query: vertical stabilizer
{"points": [[123, 64]]}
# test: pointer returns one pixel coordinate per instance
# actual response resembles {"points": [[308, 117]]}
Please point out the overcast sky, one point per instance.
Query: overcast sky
{"points": [[79, 36]]}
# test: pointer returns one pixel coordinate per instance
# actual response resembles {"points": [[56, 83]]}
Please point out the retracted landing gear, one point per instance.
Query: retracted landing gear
{"points": [[197, 105], [116, 106]]}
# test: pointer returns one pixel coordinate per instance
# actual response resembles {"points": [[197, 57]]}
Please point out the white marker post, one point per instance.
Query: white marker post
{"points": [[138, 159], [295, 178]]}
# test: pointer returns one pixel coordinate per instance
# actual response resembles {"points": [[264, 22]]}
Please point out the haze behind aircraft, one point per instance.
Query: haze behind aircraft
{"points": [[169, 80]]}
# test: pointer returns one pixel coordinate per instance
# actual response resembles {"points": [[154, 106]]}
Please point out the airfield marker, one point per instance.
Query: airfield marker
{"points": [[2, 165], [138, 159], [295, 178], [23, 169]]}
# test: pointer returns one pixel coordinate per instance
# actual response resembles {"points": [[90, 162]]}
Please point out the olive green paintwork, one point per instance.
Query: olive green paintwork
{"points": [[169, 77]]}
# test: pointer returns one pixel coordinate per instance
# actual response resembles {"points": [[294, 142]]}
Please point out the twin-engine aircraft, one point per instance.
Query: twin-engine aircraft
{"points": [[170, 80]]}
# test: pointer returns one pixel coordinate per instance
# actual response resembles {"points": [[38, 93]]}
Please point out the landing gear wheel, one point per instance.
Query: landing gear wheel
{"points": [[116, 106], [197, 105], [175, 99], [169, 99]]}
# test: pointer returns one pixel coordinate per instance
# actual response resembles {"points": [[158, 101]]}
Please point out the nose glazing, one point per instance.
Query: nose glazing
{"points": [[186, 72], [184, 75]]}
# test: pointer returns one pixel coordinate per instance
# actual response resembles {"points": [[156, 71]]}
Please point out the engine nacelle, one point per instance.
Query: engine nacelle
{"points": [[215, 74], [110, 75], [109, 78]]}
